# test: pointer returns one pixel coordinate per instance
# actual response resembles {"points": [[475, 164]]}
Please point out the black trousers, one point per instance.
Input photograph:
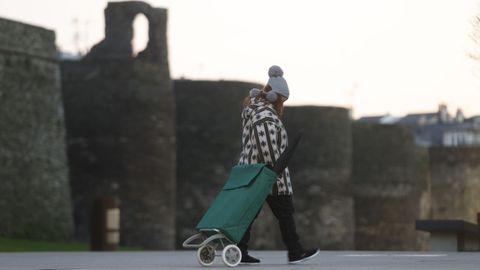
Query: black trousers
{"points": [[282, 208]]}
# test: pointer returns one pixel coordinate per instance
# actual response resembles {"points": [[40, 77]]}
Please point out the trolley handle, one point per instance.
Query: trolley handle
{"points": [[282, 161]]}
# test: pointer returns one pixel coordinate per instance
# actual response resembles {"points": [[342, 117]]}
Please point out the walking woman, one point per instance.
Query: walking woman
{"points": [[264, 138]]}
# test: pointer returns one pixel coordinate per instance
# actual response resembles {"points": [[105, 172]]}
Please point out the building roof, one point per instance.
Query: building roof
{"points": [[370, 119], [414, 118]]}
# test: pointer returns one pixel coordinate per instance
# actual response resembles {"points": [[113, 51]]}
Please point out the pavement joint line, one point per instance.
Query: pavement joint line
{"points": [[395, 255]]}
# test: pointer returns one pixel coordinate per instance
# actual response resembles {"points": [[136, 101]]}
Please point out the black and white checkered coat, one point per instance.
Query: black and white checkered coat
{"points": [[264, 138]]}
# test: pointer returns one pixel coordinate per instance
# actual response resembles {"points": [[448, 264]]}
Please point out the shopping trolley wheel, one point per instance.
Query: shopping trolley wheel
{"points": [[231, 255], [206, 255]]}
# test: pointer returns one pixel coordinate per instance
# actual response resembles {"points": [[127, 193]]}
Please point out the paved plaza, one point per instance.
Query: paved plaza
{"points": [[142, 260]]}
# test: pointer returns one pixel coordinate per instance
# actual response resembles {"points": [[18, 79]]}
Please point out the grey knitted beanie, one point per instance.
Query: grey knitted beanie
{"points": [[277, 82]]}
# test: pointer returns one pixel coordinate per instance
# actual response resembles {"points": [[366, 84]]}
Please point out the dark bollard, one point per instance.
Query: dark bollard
{"points": [[478, 223], [105, 230]]}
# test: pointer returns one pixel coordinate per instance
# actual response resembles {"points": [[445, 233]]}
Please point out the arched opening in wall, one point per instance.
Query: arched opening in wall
{"points": [[140, 34]]}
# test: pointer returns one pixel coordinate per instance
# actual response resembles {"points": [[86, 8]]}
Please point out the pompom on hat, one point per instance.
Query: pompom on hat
{"points": [[255, 92], [277, 82]]}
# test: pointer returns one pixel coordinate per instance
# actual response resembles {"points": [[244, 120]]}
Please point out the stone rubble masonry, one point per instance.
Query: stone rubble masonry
{"points": [[120, 116], [320, 174], [209, 131], [455, 174], [355, 186], [35, 198], [391, 186]]}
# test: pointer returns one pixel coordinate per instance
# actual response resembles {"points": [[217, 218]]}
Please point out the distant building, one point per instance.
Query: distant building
{"points": [[438, 128], [384, 119]]}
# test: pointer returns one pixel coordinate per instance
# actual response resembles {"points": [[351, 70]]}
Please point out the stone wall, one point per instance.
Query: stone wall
{"points": [[121, 140], [121, 129], [455, 174], [320, 172], [209, 142], [34, 191], [392, 188], [208, 132]]}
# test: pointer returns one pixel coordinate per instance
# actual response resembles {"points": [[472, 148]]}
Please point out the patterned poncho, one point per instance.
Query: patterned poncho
{"points": [[264, 138]]}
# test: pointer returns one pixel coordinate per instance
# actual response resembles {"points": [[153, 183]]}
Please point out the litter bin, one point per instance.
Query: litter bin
{"points": [[105, 229]]}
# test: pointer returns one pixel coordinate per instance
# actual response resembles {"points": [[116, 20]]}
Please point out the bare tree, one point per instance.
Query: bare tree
{"points": [[475, 54]]}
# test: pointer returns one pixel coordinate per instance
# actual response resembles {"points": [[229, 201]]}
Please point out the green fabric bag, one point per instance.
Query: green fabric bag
{"points": [[240, 200]]}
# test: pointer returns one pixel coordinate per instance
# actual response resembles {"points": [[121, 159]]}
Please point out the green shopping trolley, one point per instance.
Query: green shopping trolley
{"points": [[234, 209]]}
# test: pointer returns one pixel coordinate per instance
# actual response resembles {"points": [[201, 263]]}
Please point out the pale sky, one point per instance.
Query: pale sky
{"points": [[375, 56]]}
